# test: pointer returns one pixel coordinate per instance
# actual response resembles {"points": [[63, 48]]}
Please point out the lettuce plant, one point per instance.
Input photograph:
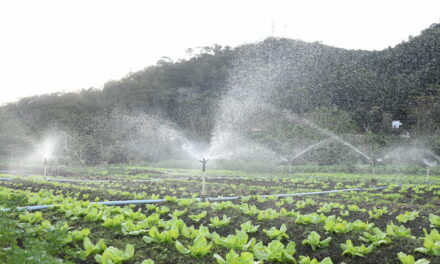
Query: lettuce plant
{"points": [[248, 227], [116, 221], [275, 252], [196, 218], [431, 243], [307, 260], [278, 234], [359, 251], [312, 218], [291, 213], [170, 199], [222, 206], [234, 258], [249, 210], [353, 207], [376, 238], [377, 213], [407, 216], [360, 225], [204, 204], [162, 210], [434, 220], [171, 223], [177, 213], [325, 208], [94, 215], [314, 240], [200, 247], [300, 204], [239, 241], [399, 231], [113, 255], [333, 225], [409, 259], [344, 213], [186, 202], [90, 248], [279, 203], [130, 228], [31, 218], [166, 236], [216, 222], [151, 207], [78, 235], [268, 214], [192, 233], [130, 214]]}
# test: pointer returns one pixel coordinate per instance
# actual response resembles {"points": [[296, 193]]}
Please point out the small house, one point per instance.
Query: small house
{"points": [[396, 124]]}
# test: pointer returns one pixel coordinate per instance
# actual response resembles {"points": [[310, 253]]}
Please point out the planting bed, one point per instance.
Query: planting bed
{"points": [[403, 218]]}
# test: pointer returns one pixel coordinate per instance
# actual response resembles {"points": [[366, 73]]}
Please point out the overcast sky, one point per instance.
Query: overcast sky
{"points": [[49, 46]]}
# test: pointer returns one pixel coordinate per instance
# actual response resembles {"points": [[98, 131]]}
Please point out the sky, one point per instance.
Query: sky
{"points": [[51, 46]]}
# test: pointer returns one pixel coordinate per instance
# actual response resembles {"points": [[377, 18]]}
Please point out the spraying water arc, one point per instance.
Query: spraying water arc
{"points": [[302, 152]]}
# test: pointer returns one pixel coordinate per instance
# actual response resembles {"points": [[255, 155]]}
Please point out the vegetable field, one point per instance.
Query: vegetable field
{"points": [[397, 223]]}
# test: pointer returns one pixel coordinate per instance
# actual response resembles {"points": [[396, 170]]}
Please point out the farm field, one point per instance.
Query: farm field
{"points": [[388, 219]]}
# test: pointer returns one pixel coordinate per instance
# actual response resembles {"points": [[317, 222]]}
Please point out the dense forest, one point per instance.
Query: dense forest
{"points": [[371, 88]]}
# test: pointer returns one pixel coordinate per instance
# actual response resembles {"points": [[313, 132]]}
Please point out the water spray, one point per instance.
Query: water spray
{"points": [[302, 152], [203, 161]]}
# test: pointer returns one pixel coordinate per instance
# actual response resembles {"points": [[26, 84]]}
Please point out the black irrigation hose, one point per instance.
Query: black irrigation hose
{"points": [[127, 202]]}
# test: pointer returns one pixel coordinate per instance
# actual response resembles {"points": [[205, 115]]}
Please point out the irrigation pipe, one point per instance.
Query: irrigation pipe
{"points": [[6, 179], [212, 199]]}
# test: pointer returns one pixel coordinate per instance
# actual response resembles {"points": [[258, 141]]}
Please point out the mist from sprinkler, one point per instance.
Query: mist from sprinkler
{"points": [[45, 151], [302, 152]]}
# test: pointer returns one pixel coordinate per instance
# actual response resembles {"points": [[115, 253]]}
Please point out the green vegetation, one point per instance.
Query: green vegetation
{"points": [[184, 229], [314, 240]]}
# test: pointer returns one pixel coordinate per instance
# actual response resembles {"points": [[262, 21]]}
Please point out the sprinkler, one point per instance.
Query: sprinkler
{"points": [[290, 168], [429, 165], [45, 167], [374, 162], [203, 161]]}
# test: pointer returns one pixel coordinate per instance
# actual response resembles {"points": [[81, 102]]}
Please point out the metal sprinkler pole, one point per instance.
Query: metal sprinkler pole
{"points": [[290, 169], [373, 164], [203, 184], [45, 167], [203, 161], [427, 175]]}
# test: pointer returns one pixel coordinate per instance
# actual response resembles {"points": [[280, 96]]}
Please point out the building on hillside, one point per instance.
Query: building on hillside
{"points": [[395, 124]]}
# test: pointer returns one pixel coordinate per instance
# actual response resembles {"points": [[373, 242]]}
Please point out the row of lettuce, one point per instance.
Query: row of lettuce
{"points": [[163, 226]]}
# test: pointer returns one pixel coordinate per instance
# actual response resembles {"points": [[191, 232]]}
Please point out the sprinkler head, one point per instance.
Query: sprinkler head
{"points": [[203, 161]]}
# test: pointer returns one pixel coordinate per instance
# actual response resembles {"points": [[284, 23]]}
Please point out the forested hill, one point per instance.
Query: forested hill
{"points": [[401, 82]]}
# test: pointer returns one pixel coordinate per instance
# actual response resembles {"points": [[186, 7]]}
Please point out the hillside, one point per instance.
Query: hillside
{"points": [[373, 87]]}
